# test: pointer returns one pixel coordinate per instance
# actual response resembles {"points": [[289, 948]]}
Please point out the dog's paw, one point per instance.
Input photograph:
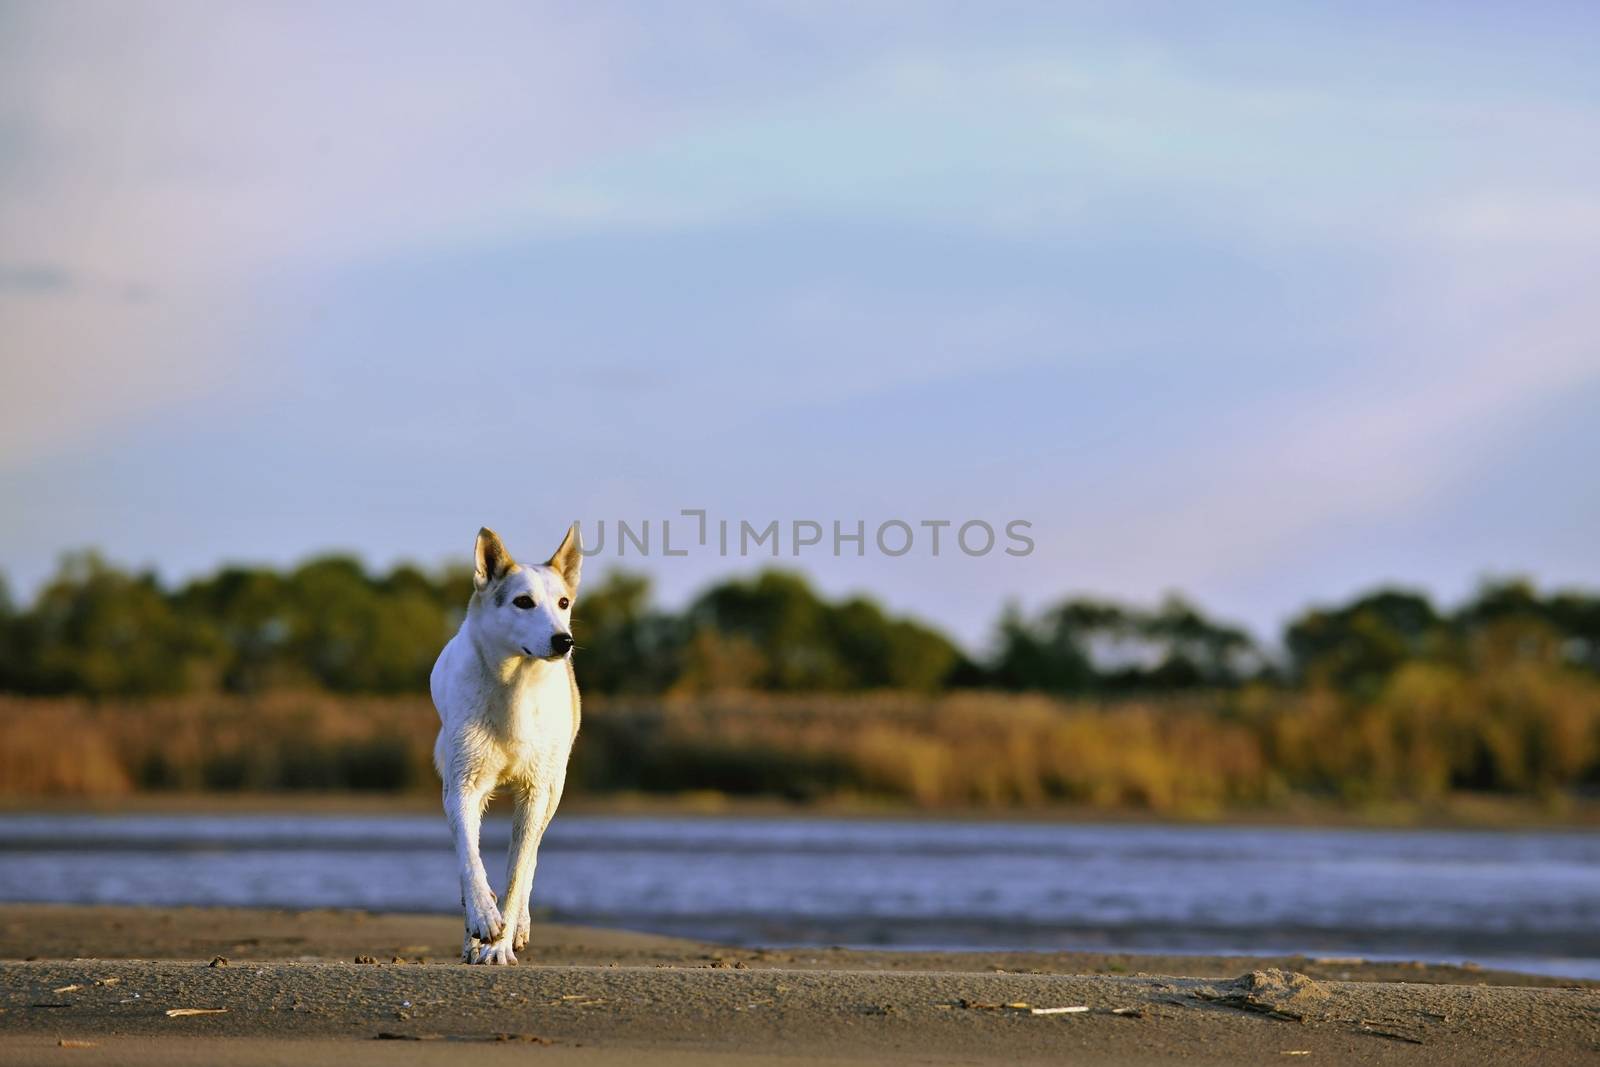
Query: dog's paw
{"points": [[498, 953], [483, 915], [524, 928]]}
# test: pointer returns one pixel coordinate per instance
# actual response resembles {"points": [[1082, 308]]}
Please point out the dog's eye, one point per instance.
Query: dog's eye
{"points": [[564, 602], [524, 601]]}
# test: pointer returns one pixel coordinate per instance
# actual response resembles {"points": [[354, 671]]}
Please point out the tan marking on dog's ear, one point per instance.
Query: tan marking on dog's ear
{"points": [[568, 560], [491, 561]]}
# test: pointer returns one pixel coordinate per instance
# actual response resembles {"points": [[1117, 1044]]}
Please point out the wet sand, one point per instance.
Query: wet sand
{"points": [[95, 984]]}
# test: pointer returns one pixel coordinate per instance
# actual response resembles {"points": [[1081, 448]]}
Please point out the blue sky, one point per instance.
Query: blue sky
{"points": [[1262, 303]]}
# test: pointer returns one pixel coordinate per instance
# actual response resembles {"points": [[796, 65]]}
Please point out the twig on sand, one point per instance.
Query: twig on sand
{"points": [[1020, 1007], [1369, 1027]]}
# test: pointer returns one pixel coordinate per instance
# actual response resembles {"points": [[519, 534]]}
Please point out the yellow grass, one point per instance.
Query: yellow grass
{"points": [[1429, 734]]}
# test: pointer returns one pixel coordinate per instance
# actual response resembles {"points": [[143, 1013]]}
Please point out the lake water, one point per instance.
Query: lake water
{"points": [[1528, 901]]}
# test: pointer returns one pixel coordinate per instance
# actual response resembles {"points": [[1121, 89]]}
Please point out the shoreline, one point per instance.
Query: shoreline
{"points": [[290, 989], [242, 934], [1466, 812]]}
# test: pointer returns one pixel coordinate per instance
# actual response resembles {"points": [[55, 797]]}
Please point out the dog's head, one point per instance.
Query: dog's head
{"points": [[525, 610]]}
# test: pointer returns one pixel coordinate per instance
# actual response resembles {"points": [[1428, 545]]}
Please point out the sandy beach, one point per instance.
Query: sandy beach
{"points": [[101, 984]]}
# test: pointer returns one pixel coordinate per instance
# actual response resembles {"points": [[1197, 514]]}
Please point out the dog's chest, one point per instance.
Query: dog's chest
{"points": [[535, 730]]}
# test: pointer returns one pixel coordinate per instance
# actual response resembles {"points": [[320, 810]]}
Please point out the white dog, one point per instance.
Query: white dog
{"points": [[508, 709]]}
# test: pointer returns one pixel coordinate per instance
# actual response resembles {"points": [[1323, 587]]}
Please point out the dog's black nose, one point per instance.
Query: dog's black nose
{"points": [[561, 643]]}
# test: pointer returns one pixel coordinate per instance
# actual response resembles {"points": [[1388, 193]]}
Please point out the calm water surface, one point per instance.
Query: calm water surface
{"points": [[1527, 900]]}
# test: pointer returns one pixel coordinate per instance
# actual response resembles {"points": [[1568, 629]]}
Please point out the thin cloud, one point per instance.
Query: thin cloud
{"points": [[36, 278]]}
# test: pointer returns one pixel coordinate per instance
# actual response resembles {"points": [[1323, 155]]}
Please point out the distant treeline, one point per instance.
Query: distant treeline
{"points": [[330, 624]]}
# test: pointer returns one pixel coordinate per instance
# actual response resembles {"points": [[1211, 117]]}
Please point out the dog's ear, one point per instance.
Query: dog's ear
{"points": [[568, 560], [490, 559]]}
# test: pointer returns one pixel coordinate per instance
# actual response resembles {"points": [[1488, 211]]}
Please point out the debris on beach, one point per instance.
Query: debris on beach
{"points": [[218, 961], [72, 1042], [67, 988], [1273, 992], [174, 1013], [365, 959], [106, 981], [1377, 1029], [1020, 1007], [722, 963], [579, 1000], [499, 1038]]}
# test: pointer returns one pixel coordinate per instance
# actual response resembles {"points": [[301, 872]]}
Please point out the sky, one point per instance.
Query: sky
{"points": [[1265, 304]]}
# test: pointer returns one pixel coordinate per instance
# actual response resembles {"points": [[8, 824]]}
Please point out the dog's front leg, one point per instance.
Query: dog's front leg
{"points": [[527, 827], [463, 807]]}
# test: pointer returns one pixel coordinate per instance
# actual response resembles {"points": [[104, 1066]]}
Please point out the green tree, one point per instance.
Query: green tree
{"points": [[1085, 646], [879, 652], [9, 664], [805, 643], [1356, 647], [357, 634], [624, 644], [97, 630], [1045, 654], [250, 610]]}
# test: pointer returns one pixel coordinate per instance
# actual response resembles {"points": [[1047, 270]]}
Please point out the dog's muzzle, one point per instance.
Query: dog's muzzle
{"points": [[560, 645]]}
